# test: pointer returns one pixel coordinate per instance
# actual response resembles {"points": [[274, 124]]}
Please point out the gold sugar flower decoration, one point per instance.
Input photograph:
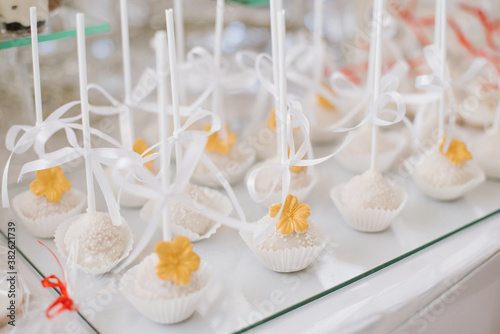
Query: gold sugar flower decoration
{"points": [[293, 217], [323, 102], [271, 121], [50, 183], [216, 144], [140, 146], [457, 152], [177, 260]]}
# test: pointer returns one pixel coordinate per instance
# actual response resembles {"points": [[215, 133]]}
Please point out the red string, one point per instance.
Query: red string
{"points": [[65, 302]]}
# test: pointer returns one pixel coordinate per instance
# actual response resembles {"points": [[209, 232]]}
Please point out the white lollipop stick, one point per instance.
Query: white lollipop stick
{"points": [[282, 90], [125, 117], [174, 83], [179, 30], [217, 106], [377, 71], [440, 42], [82, 71], [36, 67], [318, 42], [179, 38], [161, 61], [274, 4]]}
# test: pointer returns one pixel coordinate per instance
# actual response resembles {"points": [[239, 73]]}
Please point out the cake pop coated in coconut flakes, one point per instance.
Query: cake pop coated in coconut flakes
{"points": [[39, 206], [292, 229], [187, 217], [370, 190], [99, 241], [440, 169]]}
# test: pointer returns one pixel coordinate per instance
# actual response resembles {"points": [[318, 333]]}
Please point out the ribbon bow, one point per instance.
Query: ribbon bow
{"points": [[146, 85], [98, 157], [35, 136], [232, 81], [388, 85], [295, 158], [434, 83], [38, 135], [64, 301], [152, 189]]}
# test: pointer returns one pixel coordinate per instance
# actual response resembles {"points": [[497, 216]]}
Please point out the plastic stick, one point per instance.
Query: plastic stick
{"points": [[174, 83], [377, 71], [161, 62], [318, 42], [217, 105], [179, 42], [82, 70], [125, 117], [36, 67]]}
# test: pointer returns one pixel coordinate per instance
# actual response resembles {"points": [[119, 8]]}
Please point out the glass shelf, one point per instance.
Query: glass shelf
{"points": [[241, 292], [61, 25]]}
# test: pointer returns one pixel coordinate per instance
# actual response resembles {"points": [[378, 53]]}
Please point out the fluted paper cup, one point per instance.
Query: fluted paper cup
{"points": [[368, 220], [165, 311], [45, 227], [285, 260], [450, 193]]}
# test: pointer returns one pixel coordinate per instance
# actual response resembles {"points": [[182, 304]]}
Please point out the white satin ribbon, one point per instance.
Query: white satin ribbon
{"points": [[434, 83], [37, 136], [388, 84], [146, 85], [297, 119], [186, 137], [229, 80], [98, 157], [153, 190]]}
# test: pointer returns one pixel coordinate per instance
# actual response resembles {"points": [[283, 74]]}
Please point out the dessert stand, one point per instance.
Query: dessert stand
{"points": [[244, 294]]}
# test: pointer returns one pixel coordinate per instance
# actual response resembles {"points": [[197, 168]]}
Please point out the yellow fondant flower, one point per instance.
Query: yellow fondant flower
{"points": [[293, 217], [457, 152], [177, 260], [271, 121], [50, 183], [296, 169], [216, 144], [140, 146]]}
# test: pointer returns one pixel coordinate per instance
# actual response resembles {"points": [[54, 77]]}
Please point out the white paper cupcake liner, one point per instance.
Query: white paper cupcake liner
{"points": [[368, 220], [127, 200], [218, 202], [275, 197], [285, 260], [205, 177], [59, 241], [359, 163], [450, 193], [45, 227], [165, 311]]}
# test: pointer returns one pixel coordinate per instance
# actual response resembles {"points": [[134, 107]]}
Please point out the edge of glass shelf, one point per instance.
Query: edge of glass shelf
{"points": [[321, 294], [364, 275], [251, 3], [92, 28], [42, 276]]}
